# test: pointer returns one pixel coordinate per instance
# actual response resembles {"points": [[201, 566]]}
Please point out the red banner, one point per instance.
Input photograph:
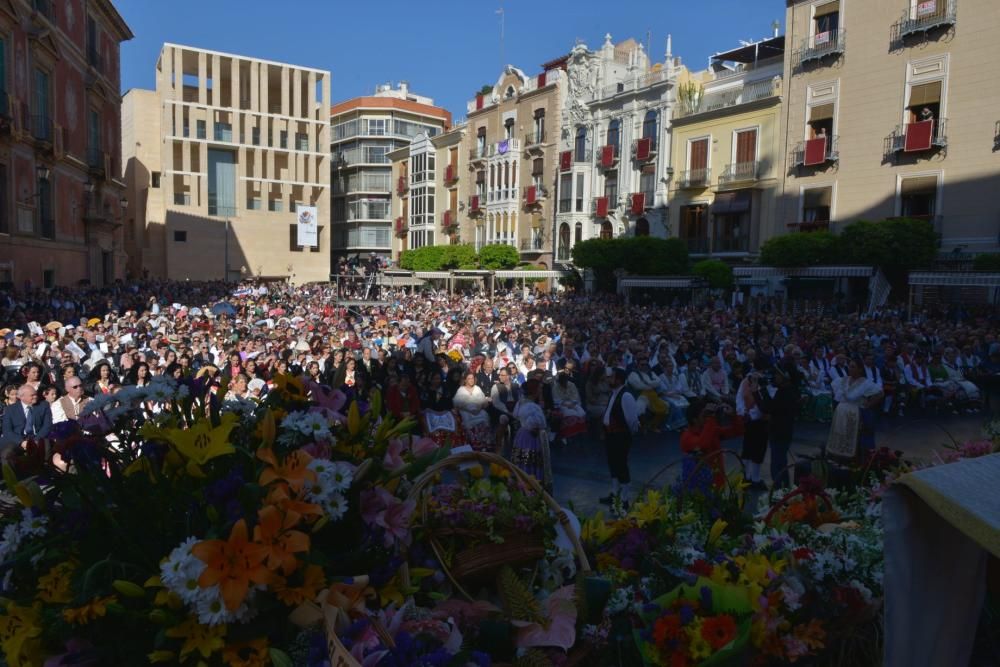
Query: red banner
{"points": [[919, 136], [815, 152]]}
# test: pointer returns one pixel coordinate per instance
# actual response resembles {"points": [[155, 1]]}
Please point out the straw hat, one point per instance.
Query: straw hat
{"points": [[53, 326], [93, 321]]}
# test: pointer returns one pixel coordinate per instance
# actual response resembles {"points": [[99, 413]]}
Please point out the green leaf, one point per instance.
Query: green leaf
{"points": [[279, 658], [518, 600]]}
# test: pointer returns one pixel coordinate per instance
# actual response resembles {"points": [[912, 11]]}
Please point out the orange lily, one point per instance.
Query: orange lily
{"points": [[292, 470], [312, 582], [274, 532], [280, 497], [232, 564]]}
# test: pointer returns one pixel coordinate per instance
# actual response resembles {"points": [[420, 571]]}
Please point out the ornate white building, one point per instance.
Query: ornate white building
{"points": [[614, 159]]}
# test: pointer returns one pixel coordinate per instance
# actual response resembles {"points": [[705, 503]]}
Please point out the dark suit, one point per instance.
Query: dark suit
{"points": [[14, 423]]}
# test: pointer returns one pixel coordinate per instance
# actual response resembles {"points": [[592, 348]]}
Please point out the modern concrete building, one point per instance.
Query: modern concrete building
{"points": [[727, 151], [365, 131], [892, 110], [219, 160], [615, 145], [512, 143], [425, 202], [61, 193]]}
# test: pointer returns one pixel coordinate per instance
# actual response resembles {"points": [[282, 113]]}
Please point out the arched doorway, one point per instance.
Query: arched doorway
{"points": [[606, 230], [642, 227], [564, 242]]}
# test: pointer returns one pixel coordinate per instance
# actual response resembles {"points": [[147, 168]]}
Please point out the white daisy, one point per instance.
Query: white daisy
{"points": [[342, 476], [335, 507]]}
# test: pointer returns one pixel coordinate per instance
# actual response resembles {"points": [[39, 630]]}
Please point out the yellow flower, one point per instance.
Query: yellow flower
{"points": [[247, 654], [649, 510], [204, 639], [716, 532], [499, 471], [54, 586], [161, 656], [20, 635], [91, 611], [596, 530], [699, 648], [202, 443], [476, 471]]}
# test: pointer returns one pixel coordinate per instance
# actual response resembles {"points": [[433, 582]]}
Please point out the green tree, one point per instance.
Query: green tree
{"points": [[896, 246], [643, 256], [498, 256], [439, 258], [987, 262], [718, 274], [800, 249]]}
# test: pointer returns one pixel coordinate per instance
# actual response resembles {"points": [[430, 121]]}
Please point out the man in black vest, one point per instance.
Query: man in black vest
{"points": [[620, 421]]}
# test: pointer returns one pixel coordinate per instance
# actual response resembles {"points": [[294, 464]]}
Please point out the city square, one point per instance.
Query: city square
{"points": [[609, 360]]}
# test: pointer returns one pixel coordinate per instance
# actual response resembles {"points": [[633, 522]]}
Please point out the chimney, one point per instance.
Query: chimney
{"points": [[404, 88]]}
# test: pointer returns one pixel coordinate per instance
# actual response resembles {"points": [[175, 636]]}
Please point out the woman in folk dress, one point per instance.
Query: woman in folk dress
{"points": [[531, 447], [471, 402], [853, 426]]}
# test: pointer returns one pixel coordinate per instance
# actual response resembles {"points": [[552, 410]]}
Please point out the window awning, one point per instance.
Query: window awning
{"points": [[814, 197], [821, 112], [927, 93], [732, 202], [918, 184], [827, 9]]}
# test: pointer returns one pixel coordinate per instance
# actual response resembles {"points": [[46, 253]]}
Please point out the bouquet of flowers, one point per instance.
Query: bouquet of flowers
{"points": [[705, 624]]}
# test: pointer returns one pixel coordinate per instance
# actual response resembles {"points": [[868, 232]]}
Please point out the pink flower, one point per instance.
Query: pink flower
{"points": [[381, 508], [393, 460], [423, 446], [561, 631]]}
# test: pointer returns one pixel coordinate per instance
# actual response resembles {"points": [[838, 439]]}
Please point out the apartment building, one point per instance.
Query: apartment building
{"points": [[511, 141], [615, 145], [425, 203], [364, 131], [728, 151], [892, 110], [61, 193], [229, 158]]}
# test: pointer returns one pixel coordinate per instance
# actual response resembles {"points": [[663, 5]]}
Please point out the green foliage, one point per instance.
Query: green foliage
{"points": [[486, 89], [897, 245], [800, 249], [498, 256], [643, 256], [518, 600], [987, 262], [438, 258], [718, 274], [530, 267]]}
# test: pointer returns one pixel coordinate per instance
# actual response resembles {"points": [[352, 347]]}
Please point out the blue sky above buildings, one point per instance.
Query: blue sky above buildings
{"points": [[446, 49]]}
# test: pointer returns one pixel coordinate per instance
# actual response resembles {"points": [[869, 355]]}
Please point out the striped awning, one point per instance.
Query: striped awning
{"points": [[677, 282], [530, 274], [804, 272], [400, 281], [955, 278], [432, 275]]}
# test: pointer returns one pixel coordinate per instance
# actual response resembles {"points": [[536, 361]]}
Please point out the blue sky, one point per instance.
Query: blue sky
{"points": [[446, 49]]}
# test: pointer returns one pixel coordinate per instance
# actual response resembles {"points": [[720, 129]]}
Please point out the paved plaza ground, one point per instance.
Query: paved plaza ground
{"points": [[581, 472]]}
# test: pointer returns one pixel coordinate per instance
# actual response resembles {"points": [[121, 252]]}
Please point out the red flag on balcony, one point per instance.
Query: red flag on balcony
{"points": [[399, 225], [479, 101], [815, 152], [565, 160], [643, 148], [474, 203], [531, 194], [602, 207], [638, 203], [449, 173], [919, 136], [607, 156], [541, 80]]}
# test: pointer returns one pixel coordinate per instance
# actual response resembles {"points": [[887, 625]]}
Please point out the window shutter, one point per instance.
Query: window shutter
{"points": [[699, 154], [927, 93], [746, 146], [920, 184], [537, 166], [816, 197], [827, 9], [822, 112]]}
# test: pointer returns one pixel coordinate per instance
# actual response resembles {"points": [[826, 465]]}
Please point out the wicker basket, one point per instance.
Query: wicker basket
{"points": [[478, 563]]}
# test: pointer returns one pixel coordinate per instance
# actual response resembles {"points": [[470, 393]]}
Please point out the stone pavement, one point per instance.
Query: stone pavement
{"points": [[581, 472]]}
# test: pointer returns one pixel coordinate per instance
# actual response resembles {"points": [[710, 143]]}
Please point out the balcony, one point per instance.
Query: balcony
{"points": [[449, 222], [926, 16], [695, 178], [368, 210], [534, 195], [919, 137], [475, 205], [644, 149], [816, 152], [534, 142], [41, 127], [483, 153], [643, 82], [740, 172], [609, 156], [450, 174], [637, 203], [754, 91], [402, 185], [401, 227], [601, 207], [534, 245], [498, 195], [822, 45]]}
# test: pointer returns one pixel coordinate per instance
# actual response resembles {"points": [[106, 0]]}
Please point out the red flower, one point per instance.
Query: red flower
{"points": [[679, 659], [718, 630], [802, 553], [666, 628], [701, 568]]}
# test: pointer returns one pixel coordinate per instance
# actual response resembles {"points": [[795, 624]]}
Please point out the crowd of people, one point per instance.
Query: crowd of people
{"points": [[520, 376]]}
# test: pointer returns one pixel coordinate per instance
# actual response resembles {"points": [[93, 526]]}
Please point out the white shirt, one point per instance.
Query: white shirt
{"points": [[59, 414], [628, 409]]}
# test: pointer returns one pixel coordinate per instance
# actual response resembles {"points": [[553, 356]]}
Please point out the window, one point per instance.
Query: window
{"points": [[745, 142], [820, 122], [647, 183], [579, 193], [376, 127], [223, 131], [255, 136], [92, 47], [565, 192], [826, 22], [253, 204], [481, 141], [642, 227], [283, 139], [581, 144], [611, 189], [698, 155], [649, 126], [201, 129], [46, 219], [40, 120], [918, 197], [3, 66], [564, 242], [94, 157], [182, 199], [508, 128], [155, 179], [816, 205], [924, 102], [180, 236], [510, 92], [49, 278], [187, 128], [301, 141], [731, 214], [4, 219], [613, 134], [694, 227], [275, 205], [539, 136], [607, 232]]}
